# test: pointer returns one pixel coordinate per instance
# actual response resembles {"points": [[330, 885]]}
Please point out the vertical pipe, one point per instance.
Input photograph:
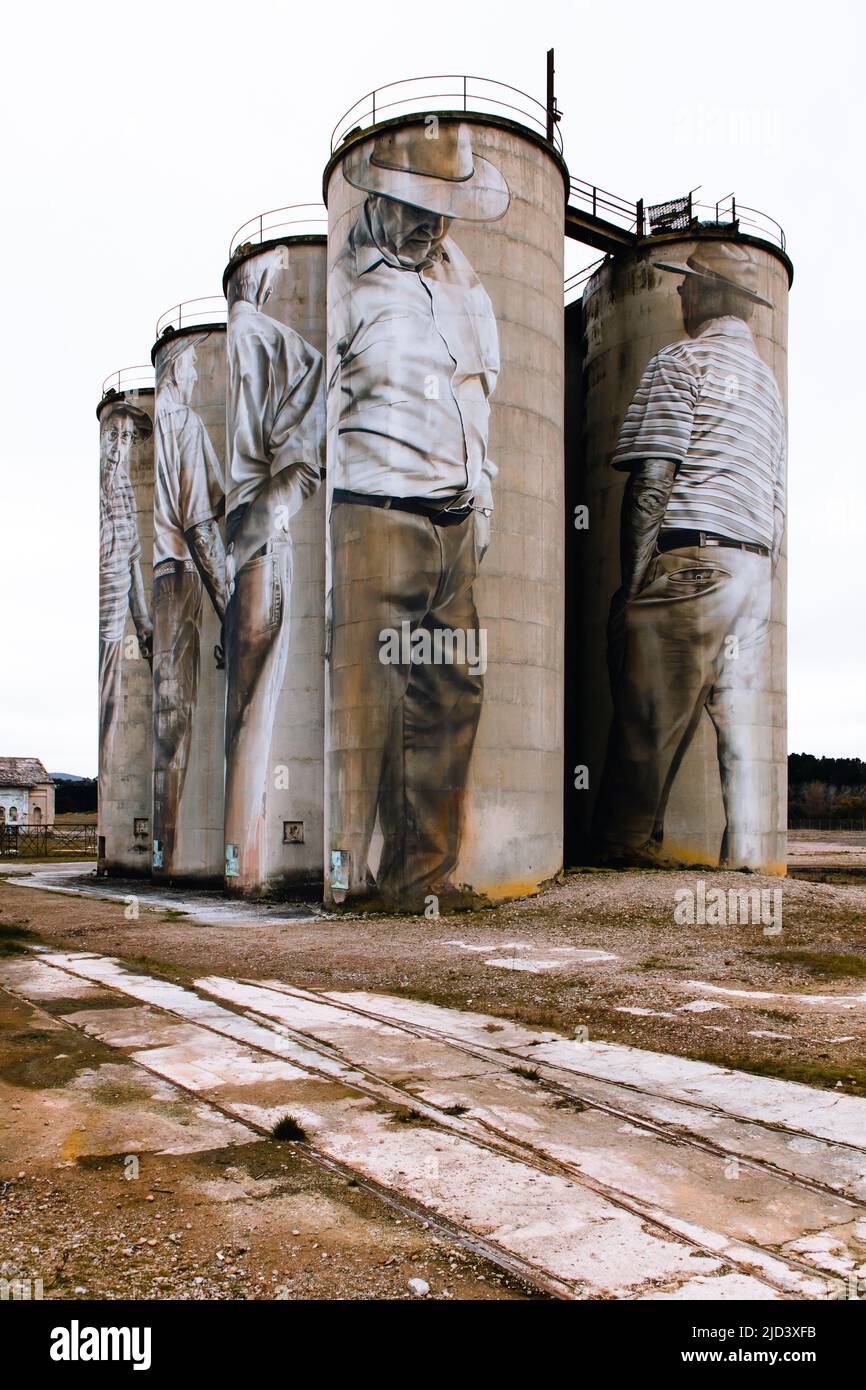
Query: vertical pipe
{"points": [[551, 98]]}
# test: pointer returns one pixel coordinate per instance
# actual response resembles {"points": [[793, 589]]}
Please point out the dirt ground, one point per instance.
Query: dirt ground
{"points": [[250, 1220], [649, 993], [602, 952]]}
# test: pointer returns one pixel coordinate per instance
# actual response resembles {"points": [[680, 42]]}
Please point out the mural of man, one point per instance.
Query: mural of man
{"points": [[276, 442], [702, 522], [121, 587], [188, 553], [415, 361]]}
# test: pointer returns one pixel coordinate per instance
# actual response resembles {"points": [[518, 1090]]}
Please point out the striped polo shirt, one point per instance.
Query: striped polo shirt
{"points": [[711, 405], [118, 549]]}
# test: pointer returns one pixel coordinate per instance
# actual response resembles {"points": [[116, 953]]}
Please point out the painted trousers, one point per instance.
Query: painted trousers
{"points": [[110, 690], [695, 638], [401, 734], [177, 616], [256, 647]]}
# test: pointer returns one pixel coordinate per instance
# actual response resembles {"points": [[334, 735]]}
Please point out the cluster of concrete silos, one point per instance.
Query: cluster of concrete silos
{"points": [[704, 724], [376, 649], [223, 708]]}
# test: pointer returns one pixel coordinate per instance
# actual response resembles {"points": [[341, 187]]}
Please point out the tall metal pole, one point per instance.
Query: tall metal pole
{"points": [[551, 98]]}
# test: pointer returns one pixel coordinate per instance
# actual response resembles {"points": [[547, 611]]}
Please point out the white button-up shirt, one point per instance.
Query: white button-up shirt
{"points": [[275, 406], [413, 361], [188, 484]]}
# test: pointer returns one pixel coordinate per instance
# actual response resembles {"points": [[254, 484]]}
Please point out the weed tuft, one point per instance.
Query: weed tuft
{"points": [[528, 1073], [289, 1130], [404, 1115]]}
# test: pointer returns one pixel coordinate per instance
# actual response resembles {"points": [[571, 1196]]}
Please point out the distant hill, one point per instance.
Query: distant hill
{"points": [[68, 777]]}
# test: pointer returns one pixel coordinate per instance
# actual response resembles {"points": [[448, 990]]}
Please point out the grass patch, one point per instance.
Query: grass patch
{"points": [[404, 1115], [288, 1130], [173, 914], [456, 1110], [652, 963], [569, 1103], [530, 1014], [665, 963], [851, 1075], [71, 857], [528, 1073], [822, 1072], [161, 969], [14, 937], [13, 948], [16, 930], [827, 964]]}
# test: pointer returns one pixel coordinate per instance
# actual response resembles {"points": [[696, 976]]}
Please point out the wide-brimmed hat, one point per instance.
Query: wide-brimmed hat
{"points": [[172, 346], [438, 172], [719, 262], [140, 418]]}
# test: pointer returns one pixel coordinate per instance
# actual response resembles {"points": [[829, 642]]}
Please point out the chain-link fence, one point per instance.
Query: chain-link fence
{"points": [[825, 823]]}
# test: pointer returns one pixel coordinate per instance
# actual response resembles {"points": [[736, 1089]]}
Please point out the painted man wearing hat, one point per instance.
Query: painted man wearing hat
{"points": [[414, 359], [189, 499], [276, 440], [121, 587], [703, 514]]}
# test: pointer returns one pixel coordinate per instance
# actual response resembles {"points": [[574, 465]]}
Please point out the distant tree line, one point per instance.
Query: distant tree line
{"points": [[826, 787], [816, 787], [78, 796]]}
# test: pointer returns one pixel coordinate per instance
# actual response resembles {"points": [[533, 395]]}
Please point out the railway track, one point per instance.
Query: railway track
{"points": [[507, 1115]]}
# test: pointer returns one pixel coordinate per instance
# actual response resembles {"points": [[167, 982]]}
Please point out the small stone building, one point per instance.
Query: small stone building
{"points": [[26, 793]]}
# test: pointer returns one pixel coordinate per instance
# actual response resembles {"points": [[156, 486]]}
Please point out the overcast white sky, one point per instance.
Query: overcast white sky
{"points": [[138, 137]]}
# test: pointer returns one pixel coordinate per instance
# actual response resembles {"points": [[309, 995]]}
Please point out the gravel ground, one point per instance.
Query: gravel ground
{"points": [[644, 996], [262, 1220], [251, 1221]]}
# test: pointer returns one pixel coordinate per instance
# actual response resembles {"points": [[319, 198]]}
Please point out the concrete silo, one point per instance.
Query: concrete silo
{"points": [[125, 415], [678, 693], [443, 742], [275, 285], [189, 593]]}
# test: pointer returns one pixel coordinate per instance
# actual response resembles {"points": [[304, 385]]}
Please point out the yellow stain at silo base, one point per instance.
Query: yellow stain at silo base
{"points": [[691, 858]]}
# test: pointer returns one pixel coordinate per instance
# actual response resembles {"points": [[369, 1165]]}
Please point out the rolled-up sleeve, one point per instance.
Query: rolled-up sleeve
{"points": [[297, 437]]}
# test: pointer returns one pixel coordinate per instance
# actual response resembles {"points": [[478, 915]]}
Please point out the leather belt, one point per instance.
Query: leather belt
{"points": [[442, 511], [172, 567], [678, 540]]}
